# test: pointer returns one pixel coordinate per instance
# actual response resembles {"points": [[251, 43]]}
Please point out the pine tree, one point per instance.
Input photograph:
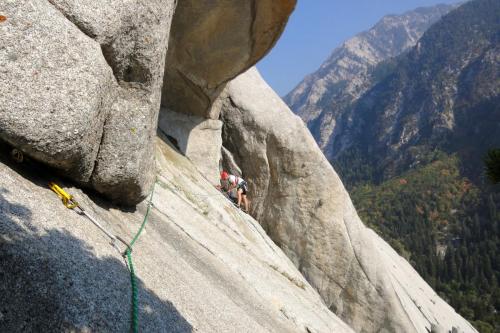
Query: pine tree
{"points": [[492, 163]]}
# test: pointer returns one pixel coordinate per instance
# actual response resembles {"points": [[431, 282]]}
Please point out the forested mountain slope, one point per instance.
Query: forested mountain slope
{"points": [[411, 151], [442, 95]]}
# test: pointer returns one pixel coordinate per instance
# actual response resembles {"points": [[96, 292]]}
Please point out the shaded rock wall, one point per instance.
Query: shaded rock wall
{"points": [[199, 139]]}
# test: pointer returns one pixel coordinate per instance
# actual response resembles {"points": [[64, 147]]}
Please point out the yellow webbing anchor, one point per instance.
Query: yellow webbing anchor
{"points": [[66, 198], [71, 203]]}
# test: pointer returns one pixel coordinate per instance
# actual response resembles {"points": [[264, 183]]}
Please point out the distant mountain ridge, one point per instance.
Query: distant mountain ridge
{"points": [[443, 94], [322, 97]]}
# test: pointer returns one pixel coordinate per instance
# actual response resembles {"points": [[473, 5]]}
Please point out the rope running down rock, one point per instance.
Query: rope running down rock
{"points": [[70, 203], [133, 279]]}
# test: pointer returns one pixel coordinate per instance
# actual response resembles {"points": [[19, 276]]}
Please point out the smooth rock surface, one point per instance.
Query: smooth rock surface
{"points": [[227, 38], [301, 202], [199, 139], [202, 265], [228, 163]]}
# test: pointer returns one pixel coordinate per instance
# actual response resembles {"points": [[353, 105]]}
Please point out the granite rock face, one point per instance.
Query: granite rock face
{"points": [[83, 86], [55, 87], [133, 37], [80, 90], [202, 58], [83, 80], [202, 265], [301, 203], [212, 42]]}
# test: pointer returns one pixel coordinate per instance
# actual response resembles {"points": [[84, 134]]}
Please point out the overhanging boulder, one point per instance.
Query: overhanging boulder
{"points": [[212, 42]]}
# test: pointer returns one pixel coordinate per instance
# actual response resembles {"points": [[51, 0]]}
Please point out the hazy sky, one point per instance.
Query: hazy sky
{"points": [[317, 27]]}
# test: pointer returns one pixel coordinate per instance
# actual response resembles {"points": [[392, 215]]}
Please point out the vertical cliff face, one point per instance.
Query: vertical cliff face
{"points": [[323, 98], [302, 204]]}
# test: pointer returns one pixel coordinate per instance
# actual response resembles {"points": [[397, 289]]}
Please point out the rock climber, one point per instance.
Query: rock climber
{"points": [[241, 188]]}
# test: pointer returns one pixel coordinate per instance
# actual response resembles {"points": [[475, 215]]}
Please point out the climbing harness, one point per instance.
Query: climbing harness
{"points": [[70, 203]]}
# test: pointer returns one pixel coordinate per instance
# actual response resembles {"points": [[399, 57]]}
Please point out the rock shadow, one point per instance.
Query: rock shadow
{"points": [[40, 174], [178, 129], [50, 281]]}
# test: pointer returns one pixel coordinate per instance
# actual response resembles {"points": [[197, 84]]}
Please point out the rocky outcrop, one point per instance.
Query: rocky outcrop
{"points": [[228, 38], [82, 86], [80, 91], [202, 265], [324, 98], [302, 204], [202, 58], [133, 37]]}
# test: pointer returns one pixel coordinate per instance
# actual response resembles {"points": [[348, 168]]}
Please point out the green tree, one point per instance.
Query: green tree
{"points": [[492, 163]]}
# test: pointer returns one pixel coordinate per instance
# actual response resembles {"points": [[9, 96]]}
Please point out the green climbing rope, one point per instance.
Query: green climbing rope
{"points": [[133, 279], [135, 309]]}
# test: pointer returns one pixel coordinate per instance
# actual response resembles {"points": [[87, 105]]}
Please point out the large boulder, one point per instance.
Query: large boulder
{"points": [[133, 37], [212, 42], [301, 202], [55, 87], [81, 88], [201, 264]]}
